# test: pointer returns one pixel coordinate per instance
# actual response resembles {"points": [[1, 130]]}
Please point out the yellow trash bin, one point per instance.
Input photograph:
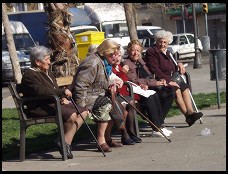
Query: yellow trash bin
{"points": [[85, 39]]}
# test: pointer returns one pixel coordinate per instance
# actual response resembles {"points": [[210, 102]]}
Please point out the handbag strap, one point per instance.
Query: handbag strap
{"points": [[142, 73]]}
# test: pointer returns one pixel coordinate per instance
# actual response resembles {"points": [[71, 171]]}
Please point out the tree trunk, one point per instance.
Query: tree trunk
{"points": [[64, 59], [11, 46], [130, 17]]}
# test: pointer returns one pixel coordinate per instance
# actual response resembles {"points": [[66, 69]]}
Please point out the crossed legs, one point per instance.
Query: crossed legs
{"points": [[72, 125], [183, 101]]}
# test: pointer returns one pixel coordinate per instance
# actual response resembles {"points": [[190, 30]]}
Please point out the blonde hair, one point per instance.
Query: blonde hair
{"points": [[162, 34], [134, 42], [108, 46]]}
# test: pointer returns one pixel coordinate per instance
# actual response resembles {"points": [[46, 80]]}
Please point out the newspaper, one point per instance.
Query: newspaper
{"points": [[138, 90]]}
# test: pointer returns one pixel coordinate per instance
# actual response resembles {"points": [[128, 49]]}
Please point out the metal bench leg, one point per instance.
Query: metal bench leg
{"points": [[22, 142]]}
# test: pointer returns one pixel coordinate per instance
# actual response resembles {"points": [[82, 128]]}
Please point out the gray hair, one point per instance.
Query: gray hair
{"points": [[162, 34], [39, 53], [121, 51], [92, 49]]}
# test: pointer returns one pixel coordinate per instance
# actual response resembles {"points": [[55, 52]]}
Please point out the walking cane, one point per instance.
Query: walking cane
{"points": [[143, 116], [87, 125], [185, 65]]}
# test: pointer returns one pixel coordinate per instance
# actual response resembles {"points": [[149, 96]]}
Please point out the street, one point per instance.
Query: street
{"points": [[199, 77]]}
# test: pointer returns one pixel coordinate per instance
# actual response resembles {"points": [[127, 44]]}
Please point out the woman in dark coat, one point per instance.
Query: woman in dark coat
{"points": [[139, 74], [39, 81], [159, 61]]}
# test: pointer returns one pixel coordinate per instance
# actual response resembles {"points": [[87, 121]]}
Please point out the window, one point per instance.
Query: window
{"points": [[142, 33], [183, 40], [190, 38]]}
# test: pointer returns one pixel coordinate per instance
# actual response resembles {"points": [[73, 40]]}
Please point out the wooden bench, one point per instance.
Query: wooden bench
{"points": [[64, 81]]}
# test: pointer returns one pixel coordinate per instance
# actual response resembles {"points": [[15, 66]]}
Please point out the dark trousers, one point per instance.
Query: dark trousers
{"points": [[166, 96], [153, 109], [130, 122]]}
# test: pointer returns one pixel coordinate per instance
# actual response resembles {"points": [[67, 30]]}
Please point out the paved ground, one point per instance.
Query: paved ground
{"points": [[188, 150]]}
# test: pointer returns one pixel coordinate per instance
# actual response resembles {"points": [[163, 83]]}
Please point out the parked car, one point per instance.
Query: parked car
{"points": [[146, 31], [183, 46], [23, 42], [146, 36]]}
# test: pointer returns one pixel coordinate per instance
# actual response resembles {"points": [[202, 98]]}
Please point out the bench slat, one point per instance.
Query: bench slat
{"points": [[64, 81]]}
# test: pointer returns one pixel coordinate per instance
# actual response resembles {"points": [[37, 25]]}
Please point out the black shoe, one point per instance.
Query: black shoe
{"points": [[190, 122], [68, 149], [127, 141], [136, 139], [190, 119]]}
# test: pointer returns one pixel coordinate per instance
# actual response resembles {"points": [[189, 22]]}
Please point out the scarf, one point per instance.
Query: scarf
{"points": [[108, 67]]}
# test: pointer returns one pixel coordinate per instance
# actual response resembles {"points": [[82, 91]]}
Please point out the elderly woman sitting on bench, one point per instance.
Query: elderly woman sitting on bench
{"points": [[159, 61]]}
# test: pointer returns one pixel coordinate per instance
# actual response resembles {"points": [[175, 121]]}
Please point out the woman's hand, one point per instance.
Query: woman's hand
{"points": [[162, 82], [68, 93], [181, 68], [64, 101], [125, 68], [174, 84], [144, 87], [118, 83]]}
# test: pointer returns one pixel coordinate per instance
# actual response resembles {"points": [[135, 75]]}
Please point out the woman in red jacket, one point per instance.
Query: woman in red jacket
{"points": [[152, 102]]}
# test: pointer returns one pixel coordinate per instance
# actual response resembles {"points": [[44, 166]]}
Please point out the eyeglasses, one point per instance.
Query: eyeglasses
{"points": [[113, 55]]}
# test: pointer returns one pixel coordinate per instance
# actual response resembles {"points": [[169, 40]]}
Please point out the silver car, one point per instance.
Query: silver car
{"points": [[23, 42]]}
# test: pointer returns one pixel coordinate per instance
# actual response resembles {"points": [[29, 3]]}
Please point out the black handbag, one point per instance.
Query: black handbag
{"points": [[176, 77]]}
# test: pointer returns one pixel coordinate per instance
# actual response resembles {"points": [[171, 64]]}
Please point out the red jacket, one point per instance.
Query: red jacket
{"points": [[124, 77]]}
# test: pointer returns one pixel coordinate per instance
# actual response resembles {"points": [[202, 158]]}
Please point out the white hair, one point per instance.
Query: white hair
{"points": [[162, 34], [121, 51], [92, 49]]}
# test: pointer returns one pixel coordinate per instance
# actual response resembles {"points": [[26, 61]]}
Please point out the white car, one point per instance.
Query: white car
{"points": [[144, 32], [183, 46]]}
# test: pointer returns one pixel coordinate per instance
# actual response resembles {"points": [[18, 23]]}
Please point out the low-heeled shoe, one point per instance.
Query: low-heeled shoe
{"points": [[127, 141], [104, 147], [191, 119], [68, 149], [136, 139], [69, 153], [113, 143]]}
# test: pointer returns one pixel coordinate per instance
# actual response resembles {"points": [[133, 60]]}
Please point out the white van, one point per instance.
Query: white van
{"points": [[83, 28], [23, 42]]}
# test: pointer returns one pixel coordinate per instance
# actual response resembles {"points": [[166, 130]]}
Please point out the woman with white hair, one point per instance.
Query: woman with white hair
{"points": [[159, 61]]}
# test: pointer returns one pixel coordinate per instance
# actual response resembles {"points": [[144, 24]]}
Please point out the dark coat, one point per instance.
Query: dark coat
{"points": [[160, 64], [133, 75], [37, 83]]}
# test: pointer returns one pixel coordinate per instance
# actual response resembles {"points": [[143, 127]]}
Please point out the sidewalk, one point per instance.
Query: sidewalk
{"points": [[188, 150]]}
